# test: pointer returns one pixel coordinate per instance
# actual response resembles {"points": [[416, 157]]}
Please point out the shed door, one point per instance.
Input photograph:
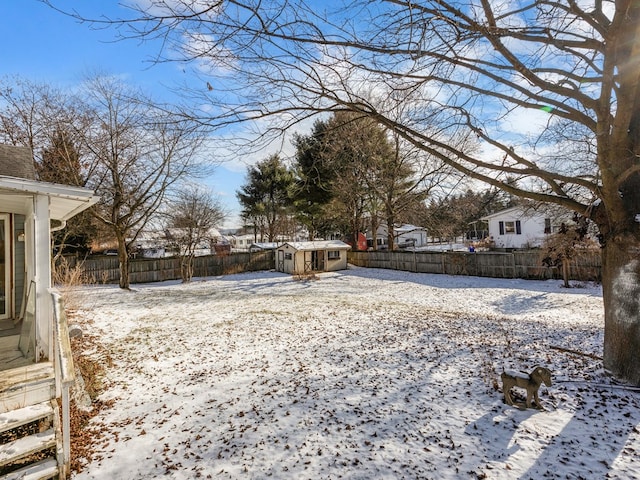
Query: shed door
{"points": [[5, 267], [280, 266]]}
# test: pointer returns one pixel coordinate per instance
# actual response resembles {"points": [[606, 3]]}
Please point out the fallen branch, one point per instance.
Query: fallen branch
{"points": [[601, 385], [576, 352]]}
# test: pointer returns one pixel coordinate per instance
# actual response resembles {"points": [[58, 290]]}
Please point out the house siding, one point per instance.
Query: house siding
{"points": [[19, 259], [512, 231]]}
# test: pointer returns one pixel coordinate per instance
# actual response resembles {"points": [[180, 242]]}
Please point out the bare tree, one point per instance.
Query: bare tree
{"points": [[563, 246], [140, 151], [471, 69], [52, 124], [192, 218]]}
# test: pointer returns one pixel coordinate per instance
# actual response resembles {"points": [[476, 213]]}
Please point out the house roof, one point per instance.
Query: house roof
{"points": [[556, 213], [318, 245], [17, 162], [265, 245], [513, 211], [175, 232], [18, 184], [407, 228], [64, 201]]}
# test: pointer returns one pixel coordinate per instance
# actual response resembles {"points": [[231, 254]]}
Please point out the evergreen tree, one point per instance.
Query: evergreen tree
{"points": [[60, 163], [266, 197], [314, 178]]}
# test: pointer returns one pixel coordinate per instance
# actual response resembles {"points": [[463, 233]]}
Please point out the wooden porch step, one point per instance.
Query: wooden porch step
{"points": [[28, 385], [13, 451], [23, 416], [44, 469]]}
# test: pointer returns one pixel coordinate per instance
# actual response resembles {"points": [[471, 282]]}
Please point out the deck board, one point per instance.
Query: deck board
{"points": [[12, 451], [27, 385], [22, 416], [47, 468], [13, 358]]}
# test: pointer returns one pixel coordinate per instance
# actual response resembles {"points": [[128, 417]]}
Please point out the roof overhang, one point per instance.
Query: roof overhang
{"points": [[318, 245], [65, 201]]}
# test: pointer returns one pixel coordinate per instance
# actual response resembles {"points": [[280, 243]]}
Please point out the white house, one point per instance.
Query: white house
{"points": [[404, 235], [521, 227], [314, 256], [263, 246], [241, 242], [164, 243], [36, 366]]}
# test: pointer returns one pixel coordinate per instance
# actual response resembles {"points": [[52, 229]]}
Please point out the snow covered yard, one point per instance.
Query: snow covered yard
{"points": [[360, 374]]}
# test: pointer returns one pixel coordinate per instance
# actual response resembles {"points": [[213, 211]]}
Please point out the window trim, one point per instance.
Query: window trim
{"points": [[333, 255]]}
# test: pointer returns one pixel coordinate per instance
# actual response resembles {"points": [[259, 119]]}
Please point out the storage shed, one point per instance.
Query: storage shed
{"points": [[315, 256]]}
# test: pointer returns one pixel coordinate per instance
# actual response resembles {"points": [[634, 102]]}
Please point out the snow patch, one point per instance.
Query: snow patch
{"points": [[363, 373]]}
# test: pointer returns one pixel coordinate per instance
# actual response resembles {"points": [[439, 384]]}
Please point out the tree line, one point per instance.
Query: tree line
{"points": [[140, 157], [348, 176]]}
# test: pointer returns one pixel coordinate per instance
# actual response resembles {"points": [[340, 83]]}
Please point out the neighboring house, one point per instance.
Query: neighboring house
{"points": [[263, 246], [241, 242], [164, 243], [315, 256], [36, 366], [174, 237], [150, 244], [404, 236], [520, 227]]}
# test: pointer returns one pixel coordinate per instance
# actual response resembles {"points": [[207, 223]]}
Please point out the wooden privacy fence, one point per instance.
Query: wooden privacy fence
{"points": [[517, 264], [106, 269]]}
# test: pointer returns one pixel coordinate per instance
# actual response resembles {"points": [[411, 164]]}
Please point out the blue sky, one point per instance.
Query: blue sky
{"points": [[43, 45]]}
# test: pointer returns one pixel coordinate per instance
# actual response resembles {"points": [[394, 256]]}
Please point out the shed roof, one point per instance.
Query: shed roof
{"points": [[17, 162], [318, 245]]}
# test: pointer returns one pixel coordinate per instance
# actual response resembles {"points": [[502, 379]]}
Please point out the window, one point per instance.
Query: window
{"points": [[288, 256], [509, 228], [547, 225], [333, 254]]}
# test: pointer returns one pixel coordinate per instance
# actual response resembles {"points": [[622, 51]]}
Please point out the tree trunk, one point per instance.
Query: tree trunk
{"points": [[621, 294], [375, 223], [186, 267], [123, 257], [391, 234], [565, 272]]}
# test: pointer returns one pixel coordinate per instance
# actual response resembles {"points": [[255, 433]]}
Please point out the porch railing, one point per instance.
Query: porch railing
{"points": [[65, 373]]}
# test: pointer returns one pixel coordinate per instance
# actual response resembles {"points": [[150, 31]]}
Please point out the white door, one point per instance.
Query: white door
{"points": [[5, 267]]}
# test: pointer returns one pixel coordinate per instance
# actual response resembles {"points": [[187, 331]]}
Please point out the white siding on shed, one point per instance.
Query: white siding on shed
{"points": [[317, 256]]}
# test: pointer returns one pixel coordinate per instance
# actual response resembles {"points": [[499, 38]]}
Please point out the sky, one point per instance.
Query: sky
{"points": [[43, 45]]}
